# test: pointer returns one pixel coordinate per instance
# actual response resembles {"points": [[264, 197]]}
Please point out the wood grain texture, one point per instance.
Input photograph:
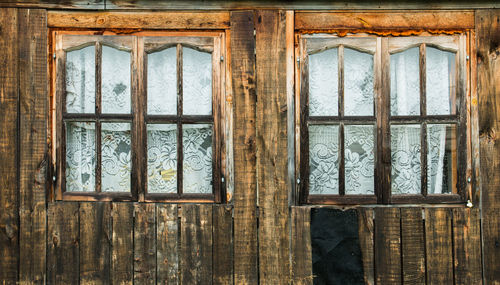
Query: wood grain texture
{"points": [[366, 232], [467, 246], [144, 244], [222, 244], [122, 243], [139, 20], [387, 246], [438, 244], [274, 262], [33, 144], [245, 175], [412, 246], [95, 241], [167, 252], [9, 219], [63, 243], [442, 20], [196, 244], [301, 252], [488, 92]]}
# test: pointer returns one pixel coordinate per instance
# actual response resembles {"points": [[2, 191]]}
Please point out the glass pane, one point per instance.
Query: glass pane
{"points": [[80, 156], [440, 81], [323, 83], [115, 81], [162, 82], [323, 159], [358, 83], [405, 159], [405, 83], [441, 159], [162, 158], [115, 157], [359, 160], [197, 162], [196, 82], [80, 80]]}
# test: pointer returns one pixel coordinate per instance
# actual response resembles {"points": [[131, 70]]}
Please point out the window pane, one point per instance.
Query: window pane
{"points": [[197, 161], [80, 80], [162, 82], [323, 83], [323, 159], [80, 156], [359, 160], [115, 81], [442, 159], [358, 83], [440, 81], [162, 158], [115, 157], [405, 83], [196, 82], [405, 159]]}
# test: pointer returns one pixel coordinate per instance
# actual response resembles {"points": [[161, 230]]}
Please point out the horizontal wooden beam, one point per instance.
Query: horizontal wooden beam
{"points": [[139, 20], [446, 20]]}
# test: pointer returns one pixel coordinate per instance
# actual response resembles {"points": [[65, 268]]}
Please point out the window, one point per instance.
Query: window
{"points": [[382, 119], [138, 116]]}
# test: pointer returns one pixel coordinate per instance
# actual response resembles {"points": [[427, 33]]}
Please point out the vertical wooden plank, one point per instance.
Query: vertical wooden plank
{"points": [[438, 244], [122, 267], [196, 244], [290, 98], [467, 246], [488, 74], [387, 246], [412, 246], [33, 144], [365, 220], [223, 244], [301, 246], [144, 244], [167, 253], [95, 239], [245, 187], [9, 219], [274, 261], [63, 243]]}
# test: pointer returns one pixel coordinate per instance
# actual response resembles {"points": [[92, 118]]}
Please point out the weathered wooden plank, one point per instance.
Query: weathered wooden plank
{"points": [[196, 244], [412, 246], [222, 244], [139, 20], [438, 244], [467, 245], [167, 253], [442, 20], [9, 219], [245, 187], [122, 215], [73, 4], [274, 262], [365, 220], [63, 243], [33, 144], [144, 244], [95, 239], [301, 246], [387, 246], [488, 74]]}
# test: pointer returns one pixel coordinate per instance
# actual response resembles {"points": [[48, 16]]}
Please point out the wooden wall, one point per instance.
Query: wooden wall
{"points": [[258, 239]]}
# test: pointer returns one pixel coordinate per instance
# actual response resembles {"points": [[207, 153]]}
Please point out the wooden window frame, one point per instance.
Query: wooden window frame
{"points": [[340, 25], [138, 117]]}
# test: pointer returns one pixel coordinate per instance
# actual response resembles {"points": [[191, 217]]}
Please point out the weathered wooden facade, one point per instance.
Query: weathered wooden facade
{"points": [[260, 233]]}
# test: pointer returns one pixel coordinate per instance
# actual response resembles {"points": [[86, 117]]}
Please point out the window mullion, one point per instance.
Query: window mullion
{"points": [[341, 116], [179, 121], [423, 128], [139, 163], [98, 102]]}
